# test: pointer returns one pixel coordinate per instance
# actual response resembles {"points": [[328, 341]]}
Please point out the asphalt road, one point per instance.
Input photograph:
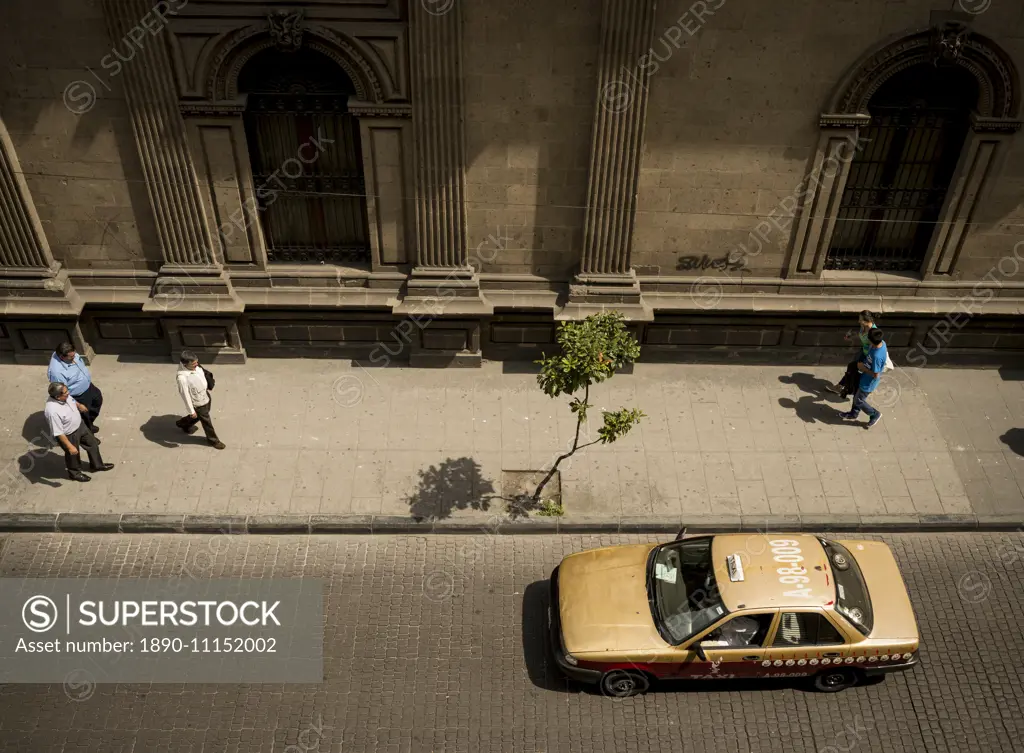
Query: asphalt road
{"points": [[438, 644]]}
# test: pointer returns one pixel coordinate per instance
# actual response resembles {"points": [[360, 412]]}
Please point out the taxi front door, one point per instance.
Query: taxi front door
{"points": [[734, 648]]}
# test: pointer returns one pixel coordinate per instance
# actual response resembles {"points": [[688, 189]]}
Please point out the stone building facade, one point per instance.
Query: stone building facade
{"points": [[437, 181]]}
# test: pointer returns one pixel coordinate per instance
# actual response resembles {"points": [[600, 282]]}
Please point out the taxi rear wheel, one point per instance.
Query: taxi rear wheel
{"points": [[834, 680], [622, 683]]}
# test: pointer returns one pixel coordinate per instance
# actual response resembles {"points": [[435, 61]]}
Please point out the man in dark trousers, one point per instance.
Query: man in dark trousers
{"points": [[195, 393], [65, 419], [871, 368], [66, 367]]}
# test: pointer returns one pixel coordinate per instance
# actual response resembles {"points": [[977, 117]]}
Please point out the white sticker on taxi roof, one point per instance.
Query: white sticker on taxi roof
{"points": [[667, 574]]}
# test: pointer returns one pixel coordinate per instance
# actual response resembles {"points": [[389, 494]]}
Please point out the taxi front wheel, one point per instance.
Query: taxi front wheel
{"points": [[622, 683], [834, 680]]}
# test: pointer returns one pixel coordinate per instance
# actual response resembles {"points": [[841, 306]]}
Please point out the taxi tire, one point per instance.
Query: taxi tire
{"points": [[835, 680], [623, 683]]}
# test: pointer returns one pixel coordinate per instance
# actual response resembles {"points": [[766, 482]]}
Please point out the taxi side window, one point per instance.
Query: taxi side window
{"points": [[743, 630], [806, 629]]}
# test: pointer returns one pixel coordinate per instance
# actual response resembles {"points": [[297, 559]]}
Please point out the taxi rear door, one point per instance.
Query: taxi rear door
{"points": [[806, 640]]}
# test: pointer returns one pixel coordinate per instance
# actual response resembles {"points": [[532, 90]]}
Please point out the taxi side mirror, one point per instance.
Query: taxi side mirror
{"points": [[700, 652], [681, 534]]}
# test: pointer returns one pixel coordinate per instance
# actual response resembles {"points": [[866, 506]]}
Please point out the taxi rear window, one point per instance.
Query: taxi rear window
{"points": [[852, 600]]}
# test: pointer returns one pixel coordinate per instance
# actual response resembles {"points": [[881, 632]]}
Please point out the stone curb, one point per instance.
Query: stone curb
{"points": [[387, 524]]}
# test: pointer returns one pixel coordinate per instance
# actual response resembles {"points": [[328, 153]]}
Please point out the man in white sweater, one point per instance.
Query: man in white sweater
{"points": [[192, 386]]}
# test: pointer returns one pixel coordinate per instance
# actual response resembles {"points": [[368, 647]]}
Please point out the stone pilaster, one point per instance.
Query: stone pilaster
{"points": [[442, 285], [191, 280], [34, 289], [980, 158], [439, 143], [606, 278]]}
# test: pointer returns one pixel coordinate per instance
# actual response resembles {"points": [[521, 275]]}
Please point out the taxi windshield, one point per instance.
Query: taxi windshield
{"points": [[851, 591], [682, 589]]}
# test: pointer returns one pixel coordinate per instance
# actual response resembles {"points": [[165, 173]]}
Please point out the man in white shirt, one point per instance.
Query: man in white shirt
{"points": [[64, 416], [196, 395]]}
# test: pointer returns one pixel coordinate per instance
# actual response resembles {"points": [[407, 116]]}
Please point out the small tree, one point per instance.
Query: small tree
{"points": [[592, 351]]}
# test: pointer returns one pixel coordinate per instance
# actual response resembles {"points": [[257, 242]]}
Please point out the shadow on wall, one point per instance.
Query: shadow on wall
{"points": [[452, 485]]}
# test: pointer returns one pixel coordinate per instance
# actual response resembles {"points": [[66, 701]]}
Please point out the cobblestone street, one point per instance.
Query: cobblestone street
{"points": [[322, 437], [437, 644]]}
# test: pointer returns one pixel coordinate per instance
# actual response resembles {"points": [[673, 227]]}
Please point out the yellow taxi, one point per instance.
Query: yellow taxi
{"points": [[731, 606]]}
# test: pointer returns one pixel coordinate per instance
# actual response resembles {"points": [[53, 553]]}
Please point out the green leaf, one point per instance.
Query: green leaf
{"points": [[593, 350]]}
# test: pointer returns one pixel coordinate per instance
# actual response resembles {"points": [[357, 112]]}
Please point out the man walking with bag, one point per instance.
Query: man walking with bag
{"points": [[871, 368], [194, 384], [66, 367]]}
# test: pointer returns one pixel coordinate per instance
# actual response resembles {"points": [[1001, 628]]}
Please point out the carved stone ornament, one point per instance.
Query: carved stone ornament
{"points": [[286, 29], [949, 41]]}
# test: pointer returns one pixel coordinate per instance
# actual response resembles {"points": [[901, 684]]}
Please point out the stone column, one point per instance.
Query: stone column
{"points": [[191, 282], [442, 284], [33, 287], [606, 278]]}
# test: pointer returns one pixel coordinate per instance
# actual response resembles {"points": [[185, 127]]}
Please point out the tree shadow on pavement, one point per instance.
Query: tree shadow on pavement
{"points": [[455, 484], [540, 664], [1014, 439], [163, 431]]}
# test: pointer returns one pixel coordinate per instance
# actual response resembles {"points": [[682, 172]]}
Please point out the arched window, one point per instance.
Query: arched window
{"points": [[898, 181], [306, 158]]}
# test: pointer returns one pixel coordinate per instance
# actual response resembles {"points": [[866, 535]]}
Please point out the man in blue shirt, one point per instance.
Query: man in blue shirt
{"points": [[871, 367], [66, 367]]}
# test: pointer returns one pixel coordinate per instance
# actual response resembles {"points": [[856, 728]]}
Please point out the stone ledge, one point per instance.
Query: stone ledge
{"points": [[136, 523], [225, 524], [73, 522], [27, 522], [278, 524], [361, 524]]}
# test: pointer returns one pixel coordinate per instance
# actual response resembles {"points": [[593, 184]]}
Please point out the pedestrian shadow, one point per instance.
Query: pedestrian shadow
{"points": [[540, 664], [455, 484], [812, 385], [1014, 439], [36, 431], [809, 410], [163, 431], [40, 466]]}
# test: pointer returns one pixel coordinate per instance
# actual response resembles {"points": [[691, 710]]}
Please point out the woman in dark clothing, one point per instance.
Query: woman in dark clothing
{"points": [[848, 384]]}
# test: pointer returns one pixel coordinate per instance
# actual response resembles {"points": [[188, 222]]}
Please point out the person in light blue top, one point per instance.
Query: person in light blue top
{"points": [[67, 367], [871, 368]]}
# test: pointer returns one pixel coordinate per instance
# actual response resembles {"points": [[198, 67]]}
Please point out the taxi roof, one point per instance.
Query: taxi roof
{"points": [[761, 587]]}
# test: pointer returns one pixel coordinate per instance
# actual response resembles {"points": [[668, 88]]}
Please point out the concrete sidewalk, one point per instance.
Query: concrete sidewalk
{"points": [[309, 437]]}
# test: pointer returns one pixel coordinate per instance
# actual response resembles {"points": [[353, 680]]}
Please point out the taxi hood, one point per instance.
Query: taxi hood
{"points": [[602, 601], [890, 603]]}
